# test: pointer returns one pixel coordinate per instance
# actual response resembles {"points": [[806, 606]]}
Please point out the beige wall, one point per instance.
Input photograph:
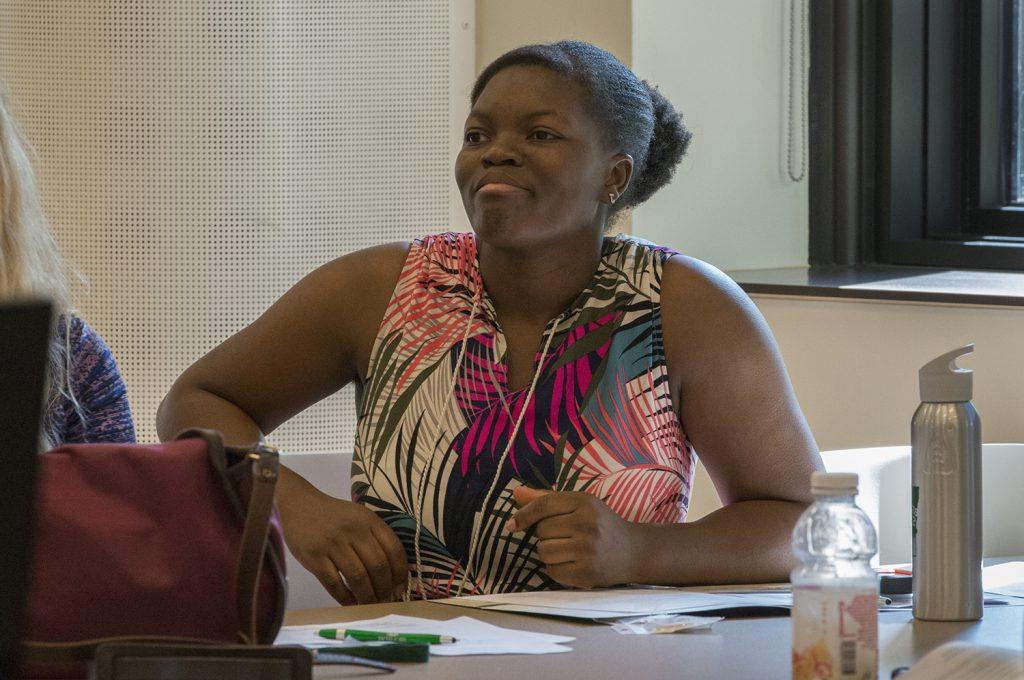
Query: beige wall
{"points": [[854, 368], [505, 24]]}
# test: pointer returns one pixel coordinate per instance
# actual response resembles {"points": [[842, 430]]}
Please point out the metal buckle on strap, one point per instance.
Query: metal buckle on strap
{"points": [[265, 462]]}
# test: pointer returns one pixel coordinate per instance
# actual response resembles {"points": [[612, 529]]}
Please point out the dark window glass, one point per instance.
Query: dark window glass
{"points": [[1016, 154], [917, 133]]}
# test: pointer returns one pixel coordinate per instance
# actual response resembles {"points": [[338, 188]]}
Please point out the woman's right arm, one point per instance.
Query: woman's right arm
{"points": [[313, 341]]}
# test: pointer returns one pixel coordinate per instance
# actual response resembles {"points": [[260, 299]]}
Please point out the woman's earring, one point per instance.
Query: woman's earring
{"points": [[611, 198]]}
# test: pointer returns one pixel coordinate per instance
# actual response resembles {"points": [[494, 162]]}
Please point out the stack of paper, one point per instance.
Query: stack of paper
{"points": [[1004, 579], [472, 636], [771, 599], [616, 603], [964, 661]]}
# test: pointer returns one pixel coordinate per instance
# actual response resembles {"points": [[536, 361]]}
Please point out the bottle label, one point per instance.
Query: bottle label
{"points": [[835, 633], [915, 495]]}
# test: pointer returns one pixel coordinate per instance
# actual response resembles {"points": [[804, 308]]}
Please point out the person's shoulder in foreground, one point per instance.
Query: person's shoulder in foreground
{"points": [[102, 413]]}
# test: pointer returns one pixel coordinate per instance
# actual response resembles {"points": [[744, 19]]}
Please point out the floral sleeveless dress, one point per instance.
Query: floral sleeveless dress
{"points": [[434, 420]]}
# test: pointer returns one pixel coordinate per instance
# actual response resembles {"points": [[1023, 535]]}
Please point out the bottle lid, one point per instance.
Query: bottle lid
{"points": [[942, 381], [834, 483]]}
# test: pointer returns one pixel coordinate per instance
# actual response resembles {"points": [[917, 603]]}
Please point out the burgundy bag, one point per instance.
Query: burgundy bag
{"points": [[179, 540]]}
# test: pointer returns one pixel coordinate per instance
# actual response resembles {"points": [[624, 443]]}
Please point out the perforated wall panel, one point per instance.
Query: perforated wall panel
{"points": [[197, 158]]}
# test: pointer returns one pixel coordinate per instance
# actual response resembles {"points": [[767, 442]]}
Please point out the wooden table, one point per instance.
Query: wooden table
{"points": [[740, 648]]}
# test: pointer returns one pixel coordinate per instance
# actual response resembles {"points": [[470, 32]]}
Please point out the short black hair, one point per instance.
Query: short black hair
{"points": [[635, 117]]}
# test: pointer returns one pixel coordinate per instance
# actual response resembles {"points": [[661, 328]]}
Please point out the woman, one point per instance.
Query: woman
{"points": [[523, 389], [87, 401]]}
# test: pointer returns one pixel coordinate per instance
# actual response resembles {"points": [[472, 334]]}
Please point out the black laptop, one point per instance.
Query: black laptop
{"points": [[24, 345]]}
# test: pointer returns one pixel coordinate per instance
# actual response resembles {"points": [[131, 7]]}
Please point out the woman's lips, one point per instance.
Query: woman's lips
{"points": [[498, 189]]}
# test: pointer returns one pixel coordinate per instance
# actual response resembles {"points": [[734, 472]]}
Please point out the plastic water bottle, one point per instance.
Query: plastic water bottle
{"points": [[835, 590]]}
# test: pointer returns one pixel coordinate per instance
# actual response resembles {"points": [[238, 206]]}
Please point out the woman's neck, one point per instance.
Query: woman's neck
{"points": [[536, 285]]}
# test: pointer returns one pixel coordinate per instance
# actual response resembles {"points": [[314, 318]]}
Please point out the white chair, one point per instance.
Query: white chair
{"points": [[332, 474], [885, 496]]}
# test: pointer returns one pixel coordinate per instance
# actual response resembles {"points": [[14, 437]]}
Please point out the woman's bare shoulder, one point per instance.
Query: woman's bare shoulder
{"points": [[708, 320], [696, 286], [368, 268], [356, 289]]}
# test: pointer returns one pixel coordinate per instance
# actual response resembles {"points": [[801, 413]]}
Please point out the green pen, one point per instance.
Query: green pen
{"points": [[373, 636]]}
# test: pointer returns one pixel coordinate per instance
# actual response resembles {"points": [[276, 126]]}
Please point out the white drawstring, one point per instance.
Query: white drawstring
{"points": [[421, 489], [504, 456]]}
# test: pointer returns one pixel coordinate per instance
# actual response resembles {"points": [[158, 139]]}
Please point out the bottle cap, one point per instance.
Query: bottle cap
{"points": [[942, 381], [834, 483]]}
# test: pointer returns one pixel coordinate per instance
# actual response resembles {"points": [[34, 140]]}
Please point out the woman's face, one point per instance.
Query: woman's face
{"points": [[533, 165]]}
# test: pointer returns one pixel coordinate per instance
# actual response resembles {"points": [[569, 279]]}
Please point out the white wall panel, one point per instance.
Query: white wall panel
{"points": [[197, 158]]}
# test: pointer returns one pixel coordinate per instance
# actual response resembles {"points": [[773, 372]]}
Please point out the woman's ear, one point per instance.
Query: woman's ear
{"points": [[617, 176]]}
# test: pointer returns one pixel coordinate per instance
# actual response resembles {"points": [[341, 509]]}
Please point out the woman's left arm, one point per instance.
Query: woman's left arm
{"points": [[738, 410]]}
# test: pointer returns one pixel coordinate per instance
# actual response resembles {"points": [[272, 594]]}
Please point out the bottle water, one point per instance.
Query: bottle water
{"points": [[945, 453], [835, 590]]}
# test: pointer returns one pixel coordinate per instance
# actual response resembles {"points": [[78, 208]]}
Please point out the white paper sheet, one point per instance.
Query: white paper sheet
{"points": [[616, 603], [472, 636], [963, 661], [1004, 579]]}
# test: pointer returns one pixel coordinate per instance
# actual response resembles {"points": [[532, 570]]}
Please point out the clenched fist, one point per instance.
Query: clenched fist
{"points": [[582, 542]]}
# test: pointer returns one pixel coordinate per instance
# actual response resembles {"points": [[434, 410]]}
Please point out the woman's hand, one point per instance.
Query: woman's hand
{"points": [[351, 551], [583, 543]]}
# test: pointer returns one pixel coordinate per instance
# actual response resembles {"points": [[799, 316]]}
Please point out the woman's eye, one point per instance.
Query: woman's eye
{"points": [[473, 137], [543, 135]]}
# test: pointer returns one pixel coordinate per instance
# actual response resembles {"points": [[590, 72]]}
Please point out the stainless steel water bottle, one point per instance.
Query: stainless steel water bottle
{"points": [[946, 494]]}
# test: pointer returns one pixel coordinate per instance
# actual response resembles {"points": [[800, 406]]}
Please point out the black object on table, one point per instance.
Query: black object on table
{"points": [[392, 651], [895, 584]]}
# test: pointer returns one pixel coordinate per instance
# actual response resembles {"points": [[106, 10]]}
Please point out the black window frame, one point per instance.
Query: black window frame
{"points": [[901, 126]]}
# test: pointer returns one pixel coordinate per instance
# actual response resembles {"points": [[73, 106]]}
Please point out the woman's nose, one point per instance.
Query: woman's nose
{"points": [[501, 152]]}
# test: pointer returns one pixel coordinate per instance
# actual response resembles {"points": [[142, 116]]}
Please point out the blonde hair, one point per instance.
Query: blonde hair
{"points": [[30, 261]]}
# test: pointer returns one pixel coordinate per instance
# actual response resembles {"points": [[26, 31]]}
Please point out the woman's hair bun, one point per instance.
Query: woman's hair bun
{"points": [[669, 142]]}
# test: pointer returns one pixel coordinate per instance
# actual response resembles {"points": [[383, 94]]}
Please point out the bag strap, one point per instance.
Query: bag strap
{"points": [[265, 462], [265, 469]]}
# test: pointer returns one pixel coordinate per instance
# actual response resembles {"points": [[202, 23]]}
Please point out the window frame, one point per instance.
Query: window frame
{"points": [[901, 128]]}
